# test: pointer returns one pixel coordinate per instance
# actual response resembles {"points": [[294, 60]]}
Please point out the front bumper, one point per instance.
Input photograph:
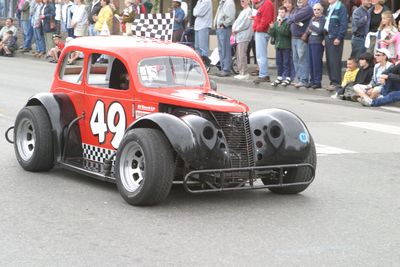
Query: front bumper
{"points": [[246, 178]]}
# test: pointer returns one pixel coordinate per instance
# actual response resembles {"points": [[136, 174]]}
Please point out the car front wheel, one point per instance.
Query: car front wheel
{"points": [[144, 167]]}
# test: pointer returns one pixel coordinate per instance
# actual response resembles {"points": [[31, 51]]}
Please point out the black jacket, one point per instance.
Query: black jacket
{"points": [[93, 12], [394, 73], [364, 76]]}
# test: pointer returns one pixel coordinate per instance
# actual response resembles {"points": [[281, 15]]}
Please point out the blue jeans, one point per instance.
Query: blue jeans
{"points": [[316, 52], [201, 41], [28, 33], [91, 30], [283, 63], [357, 46], [261, 39], [70, 32], [301, 60], [224, 48], [390, 92], [39, 38]]}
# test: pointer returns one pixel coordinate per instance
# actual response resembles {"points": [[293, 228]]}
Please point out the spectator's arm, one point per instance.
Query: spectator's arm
{"points": [[342, 22], [303, 14], [358, 20], [283, 30], [320, 29], [201, 9], [179, 17], [229, 17]]}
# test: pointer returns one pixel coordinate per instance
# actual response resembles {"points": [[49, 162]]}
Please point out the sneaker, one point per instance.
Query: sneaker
{"points": [[242, 77], [365, 101], [276, 82], [331, 87], [259, 80], [335, 96], [286, 82], [223, 74]]}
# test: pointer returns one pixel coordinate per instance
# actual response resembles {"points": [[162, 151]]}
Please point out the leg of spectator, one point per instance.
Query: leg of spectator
{"points": [[359, 89], [286, 63], [295, 42], [197, 42], [204, 35], [245, 69], [390, 98], [279, 62], [261, 52], [221, 47], [318, 66], [292, 69], [311, 56], [303, 62], [228, 51], [241, 57]]}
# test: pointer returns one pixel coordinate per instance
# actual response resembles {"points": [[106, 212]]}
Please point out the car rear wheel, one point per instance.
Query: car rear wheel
{"points": [[33, 142], [298, 175], [144, 167]]}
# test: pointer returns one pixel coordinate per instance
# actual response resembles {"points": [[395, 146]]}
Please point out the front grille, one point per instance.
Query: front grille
{"points": [[236, 129]]}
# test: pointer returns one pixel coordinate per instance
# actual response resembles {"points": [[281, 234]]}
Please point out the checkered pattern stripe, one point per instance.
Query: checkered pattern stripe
{"points": [[158, 26], [96, 153]]}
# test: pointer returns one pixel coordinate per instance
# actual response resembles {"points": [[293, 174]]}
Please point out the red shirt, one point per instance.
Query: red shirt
{"points": [[60, 45], [264, 17]]}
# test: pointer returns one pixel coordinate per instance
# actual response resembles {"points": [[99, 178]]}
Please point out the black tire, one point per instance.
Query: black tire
{"points": [[33, 142], [144, 167], [235, 67], [297, 175]]}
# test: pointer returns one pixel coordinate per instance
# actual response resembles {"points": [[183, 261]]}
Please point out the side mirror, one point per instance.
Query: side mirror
{"points": [[213, 85]]}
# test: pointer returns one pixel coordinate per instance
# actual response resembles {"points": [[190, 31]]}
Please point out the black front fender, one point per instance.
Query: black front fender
{"points": [[279, 136], [196, 140]]}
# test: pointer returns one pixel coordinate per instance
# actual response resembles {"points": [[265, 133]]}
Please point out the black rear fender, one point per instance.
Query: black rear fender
{"points": [[61, 112]]}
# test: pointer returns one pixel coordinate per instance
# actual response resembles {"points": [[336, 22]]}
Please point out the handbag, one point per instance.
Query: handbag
{"points": [[52, 24], [304, 37]]}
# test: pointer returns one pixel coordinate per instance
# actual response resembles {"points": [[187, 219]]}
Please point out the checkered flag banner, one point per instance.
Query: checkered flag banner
{"points": [[158, 26]]}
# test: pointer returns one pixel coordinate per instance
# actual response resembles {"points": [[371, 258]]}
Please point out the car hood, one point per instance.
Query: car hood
{"points": [[194, 98]]}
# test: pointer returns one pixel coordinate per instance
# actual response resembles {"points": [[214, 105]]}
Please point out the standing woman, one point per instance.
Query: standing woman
{"points": [[378, 7], [47, 15], [243, 30], [105, 16], [316, 49], [80, 20]]}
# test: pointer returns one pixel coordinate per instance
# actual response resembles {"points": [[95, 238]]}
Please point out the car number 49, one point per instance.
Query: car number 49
{"points": [[113, 120]]}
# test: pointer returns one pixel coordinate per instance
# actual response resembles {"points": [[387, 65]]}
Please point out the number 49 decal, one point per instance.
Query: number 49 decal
{"points": [[114, 121]]}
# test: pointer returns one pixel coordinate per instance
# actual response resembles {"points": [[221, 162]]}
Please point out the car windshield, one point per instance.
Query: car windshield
{"points": [[158, 72]]}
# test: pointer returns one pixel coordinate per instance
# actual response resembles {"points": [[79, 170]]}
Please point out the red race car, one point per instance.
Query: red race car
{"points": [[143, 113]]}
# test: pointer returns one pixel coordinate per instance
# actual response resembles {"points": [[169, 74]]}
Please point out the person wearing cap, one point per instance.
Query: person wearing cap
{"points": [[178, 21], [203, 12], [390, 92], [261, 23], [373, 89], [359, 28], [55, 52]]}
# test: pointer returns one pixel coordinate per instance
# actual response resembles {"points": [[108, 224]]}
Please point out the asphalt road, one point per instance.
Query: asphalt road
{"points": [[349, 216]]}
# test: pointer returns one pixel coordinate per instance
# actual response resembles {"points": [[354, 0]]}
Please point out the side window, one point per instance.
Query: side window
{"points": [[106, 71], [72, 67]]}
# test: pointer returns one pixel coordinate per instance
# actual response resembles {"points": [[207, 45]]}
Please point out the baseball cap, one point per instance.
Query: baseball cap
{"points": [[384, 51]]}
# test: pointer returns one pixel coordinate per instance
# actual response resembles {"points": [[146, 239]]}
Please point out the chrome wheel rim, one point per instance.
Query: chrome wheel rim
{"points": [[132, 167], [26, 139]]}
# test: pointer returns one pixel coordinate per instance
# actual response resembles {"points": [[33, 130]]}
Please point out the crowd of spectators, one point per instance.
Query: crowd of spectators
{"points": [[301, 32]]}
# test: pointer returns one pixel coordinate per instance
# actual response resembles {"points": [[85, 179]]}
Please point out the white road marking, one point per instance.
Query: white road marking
{"points": [[330, 150], [373, 126]]}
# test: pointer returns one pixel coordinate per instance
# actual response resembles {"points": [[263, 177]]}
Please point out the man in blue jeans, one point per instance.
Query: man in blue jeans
{"points": [[390, 91], [223, 24], [359, 28], [261, 24], [202, 25]]}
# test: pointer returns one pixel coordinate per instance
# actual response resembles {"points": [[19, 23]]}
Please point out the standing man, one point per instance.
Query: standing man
{"points": [[223, 24], [25, 24], [335, 29], [93, 11], [262, 20], [178, 21], [359, 28], [202, 25], [299, 20]]}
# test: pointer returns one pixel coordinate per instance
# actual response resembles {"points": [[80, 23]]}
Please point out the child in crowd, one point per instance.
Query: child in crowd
{"points": [[280, 31], [396, 41], [8, 45], [386, 32], [55, 52], [348, 78]]}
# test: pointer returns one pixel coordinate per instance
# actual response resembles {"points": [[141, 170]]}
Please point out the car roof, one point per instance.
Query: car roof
{"points": [[124, 45]]}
